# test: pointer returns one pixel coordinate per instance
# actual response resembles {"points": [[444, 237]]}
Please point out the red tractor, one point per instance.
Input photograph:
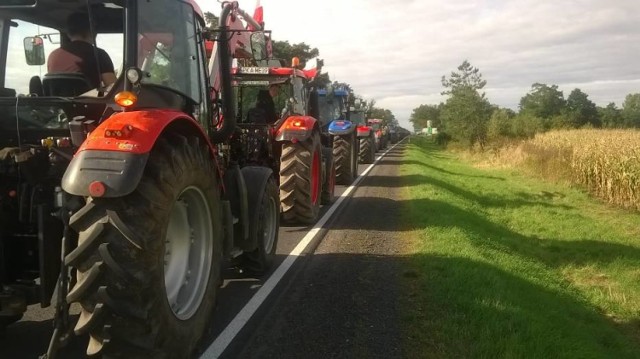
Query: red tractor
{"points": [[364, 133], [377, 128], [128, 199], [297, 148]]}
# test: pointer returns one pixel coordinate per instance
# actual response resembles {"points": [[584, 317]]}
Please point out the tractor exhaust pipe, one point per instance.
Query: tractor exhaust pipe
{"points": [[224, 56]]}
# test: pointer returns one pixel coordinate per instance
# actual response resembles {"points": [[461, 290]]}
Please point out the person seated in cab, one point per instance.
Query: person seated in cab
{"points": [[79, 55], [265, 103]]}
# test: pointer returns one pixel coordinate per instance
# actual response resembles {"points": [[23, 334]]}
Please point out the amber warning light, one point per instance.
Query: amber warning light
{"points": [[126, 99]]}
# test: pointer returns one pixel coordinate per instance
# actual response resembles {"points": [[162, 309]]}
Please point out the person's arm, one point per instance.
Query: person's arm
{"points": [[108, 78], [108, 75]]}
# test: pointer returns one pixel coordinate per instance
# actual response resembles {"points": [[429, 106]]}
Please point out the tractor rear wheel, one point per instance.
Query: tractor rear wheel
{"points": [[264, 226], [301, 179], [367, 150], [148, 264], [346, 158]]}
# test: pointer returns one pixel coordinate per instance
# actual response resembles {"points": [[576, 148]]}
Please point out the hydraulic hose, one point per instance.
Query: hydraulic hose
{"points": [[224, 56]]}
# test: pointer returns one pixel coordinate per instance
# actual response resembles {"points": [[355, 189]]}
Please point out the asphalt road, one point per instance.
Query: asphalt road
{"points": [[29, 338]]}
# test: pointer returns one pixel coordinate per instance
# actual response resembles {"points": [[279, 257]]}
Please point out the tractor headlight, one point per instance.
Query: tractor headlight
{"points": [[134, 75]]}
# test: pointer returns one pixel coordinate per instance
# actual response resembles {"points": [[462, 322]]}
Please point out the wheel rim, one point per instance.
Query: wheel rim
{"points": [[188, 257], [269, 229], [315, 177]]}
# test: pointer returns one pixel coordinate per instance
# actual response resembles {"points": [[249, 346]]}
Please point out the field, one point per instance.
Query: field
{"points": [[506, 265], [604, 162]]}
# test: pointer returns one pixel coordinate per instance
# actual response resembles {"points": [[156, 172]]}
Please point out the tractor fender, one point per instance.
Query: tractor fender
{"points": [[115, 153], [341, 127], [255, 178], [363, 131], [296, 128]]}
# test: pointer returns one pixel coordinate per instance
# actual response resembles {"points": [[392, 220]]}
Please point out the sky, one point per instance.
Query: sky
{"points": [[396, 52]]}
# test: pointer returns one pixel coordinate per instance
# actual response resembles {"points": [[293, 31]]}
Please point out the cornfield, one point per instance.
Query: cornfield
{"points": [[605, 162]]}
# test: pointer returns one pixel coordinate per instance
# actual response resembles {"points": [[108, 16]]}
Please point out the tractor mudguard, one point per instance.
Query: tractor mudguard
{"points": [[363, 131], [296, 128], [236, 193], [256, 179], [111, 161], [341, 127]]}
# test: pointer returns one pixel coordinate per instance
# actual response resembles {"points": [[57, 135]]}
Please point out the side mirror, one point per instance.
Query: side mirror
{"points": [[259, 46], [34, 50]]}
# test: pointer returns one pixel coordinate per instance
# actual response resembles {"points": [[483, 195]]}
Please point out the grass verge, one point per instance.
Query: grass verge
{"points": [[508, 266]]}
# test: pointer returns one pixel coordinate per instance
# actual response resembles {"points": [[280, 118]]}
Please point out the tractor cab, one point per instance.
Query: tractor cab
{"points": [[286, 88], [155, 67], [333, 104]]}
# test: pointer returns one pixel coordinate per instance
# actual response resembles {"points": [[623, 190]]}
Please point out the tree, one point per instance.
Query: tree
{"points": [[424, 113], [631, 110], [543, 101], [526, 125], [466, 77], [465, 116], [582, 110], [500, 124], [611, 116], [466, 112], [286, 51], [385, 115], [211, 20]]}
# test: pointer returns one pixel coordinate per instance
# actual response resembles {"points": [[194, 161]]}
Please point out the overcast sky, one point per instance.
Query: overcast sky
{"points": [[397, 51]]}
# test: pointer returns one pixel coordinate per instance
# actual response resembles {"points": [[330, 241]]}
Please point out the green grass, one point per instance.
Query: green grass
{"points": [[511, 267]]}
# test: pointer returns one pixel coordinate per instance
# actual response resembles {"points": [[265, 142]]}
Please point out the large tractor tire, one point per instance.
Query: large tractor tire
{"points": [[301, 180], [329, 180], [367, 150], [345, 155], [148, 264], [264, 224]]}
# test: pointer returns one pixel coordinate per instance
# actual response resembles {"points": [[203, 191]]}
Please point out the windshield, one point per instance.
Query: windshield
{"points": [[330, 109], [247, 97], [357, 117], [19, 73], [164, 60]]}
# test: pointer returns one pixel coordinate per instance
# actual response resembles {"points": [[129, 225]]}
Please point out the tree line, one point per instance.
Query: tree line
{"points": [[468, 117]]}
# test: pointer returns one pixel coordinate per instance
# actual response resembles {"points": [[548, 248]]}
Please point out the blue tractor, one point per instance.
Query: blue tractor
{"points": [[334, 116]]}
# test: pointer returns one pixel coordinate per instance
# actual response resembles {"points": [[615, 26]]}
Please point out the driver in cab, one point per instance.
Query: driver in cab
{"points": [[79, 55]]}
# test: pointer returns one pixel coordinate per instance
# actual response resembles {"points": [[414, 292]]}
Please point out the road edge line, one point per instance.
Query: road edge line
{"points": [[234, 327]]}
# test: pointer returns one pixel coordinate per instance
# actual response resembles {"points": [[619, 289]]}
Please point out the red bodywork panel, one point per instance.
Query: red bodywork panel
{"points": [[363, 130], [139, 131], [296, 128]]}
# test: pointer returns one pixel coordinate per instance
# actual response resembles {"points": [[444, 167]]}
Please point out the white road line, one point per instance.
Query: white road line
{"points": [[224, 339]]}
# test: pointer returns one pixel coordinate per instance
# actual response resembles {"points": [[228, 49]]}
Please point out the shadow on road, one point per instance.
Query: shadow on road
{"points": [[400, 306]]}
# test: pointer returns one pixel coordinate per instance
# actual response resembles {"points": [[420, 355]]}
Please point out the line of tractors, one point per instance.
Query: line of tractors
{"points": [[131, 200]]}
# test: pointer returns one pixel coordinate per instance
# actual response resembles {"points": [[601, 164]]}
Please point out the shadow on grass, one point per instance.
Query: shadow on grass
{"points": [[481, 232], [465, 308], [524, 199]]}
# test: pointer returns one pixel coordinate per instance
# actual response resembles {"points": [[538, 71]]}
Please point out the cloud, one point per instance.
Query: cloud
{"points": [[396, 52]]}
